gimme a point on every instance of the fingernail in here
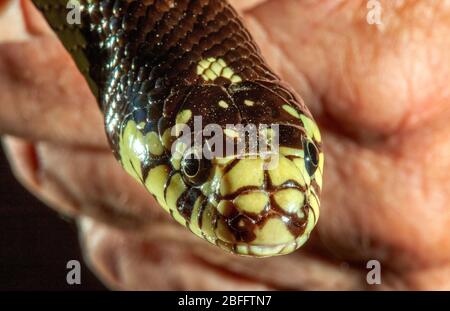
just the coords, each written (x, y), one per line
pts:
(12, 22)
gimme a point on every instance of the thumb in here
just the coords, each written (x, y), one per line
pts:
(42, 94)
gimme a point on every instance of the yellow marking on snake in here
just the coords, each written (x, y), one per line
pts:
(140, 126)
(193, 223)
(216, 68)
(175, 188)
(131, 149)
(183, 117)
(234, 180)
(314, 203)
(155, 183)
(290, 200)
(291, 110)
(154, 144)
(266, 250)
(300, 164)
(236, 79)
(211, 68)
(321, 162)
(208, 223)
(249, 103)
(177, 155)
(167, 139)
(305, 236)
(254, 202)
(285, 171)
(227, 73)
(274, 232)
(288, 248)
(223, 104)
(318, 178)
(311, 128)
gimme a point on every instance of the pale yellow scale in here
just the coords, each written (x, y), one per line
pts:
(212, 68)
(155, 183)
(253, 202)
(234, 180)
(274, 227)
(223, 104)
(249, 103)
(285, 171)
(290, 200)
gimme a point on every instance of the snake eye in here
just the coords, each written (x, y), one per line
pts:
(311, 157)
(195, 169)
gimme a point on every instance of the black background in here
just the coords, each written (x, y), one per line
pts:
(35, 242)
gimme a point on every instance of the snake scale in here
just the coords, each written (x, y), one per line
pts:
(156, 65)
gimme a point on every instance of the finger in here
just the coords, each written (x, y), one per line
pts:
(12, 25)
(43, 96)
(245, 5)
(372, 81)
(82, 182)
(168, 258)
(382, 99)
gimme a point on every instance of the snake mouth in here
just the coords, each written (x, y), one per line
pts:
(244, 249)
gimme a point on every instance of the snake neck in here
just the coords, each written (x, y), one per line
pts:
(130, 48)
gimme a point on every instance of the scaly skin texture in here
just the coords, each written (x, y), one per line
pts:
(155, 66)
(380, 95)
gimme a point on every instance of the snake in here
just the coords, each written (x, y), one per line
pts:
(156, 67)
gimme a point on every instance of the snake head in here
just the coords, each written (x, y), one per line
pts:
(255, 203)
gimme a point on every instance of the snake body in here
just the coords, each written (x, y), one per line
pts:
(155, 65)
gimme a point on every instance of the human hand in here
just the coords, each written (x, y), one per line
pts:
(379, 93)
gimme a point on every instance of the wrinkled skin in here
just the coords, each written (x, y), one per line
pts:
(383, 102)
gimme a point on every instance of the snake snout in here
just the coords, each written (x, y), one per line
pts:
(264, 211)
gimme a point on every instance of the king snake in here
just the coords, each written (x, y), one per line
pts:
(155, 66)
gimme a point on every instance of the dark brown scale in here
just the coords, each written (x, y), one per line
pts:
(187, 201)
(295, 224)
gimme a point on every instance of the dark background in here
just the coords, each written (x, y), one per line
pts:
(35, 242)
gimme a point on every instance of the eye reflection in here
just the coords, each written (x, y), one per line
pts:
(195, 169)
(191, 167)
